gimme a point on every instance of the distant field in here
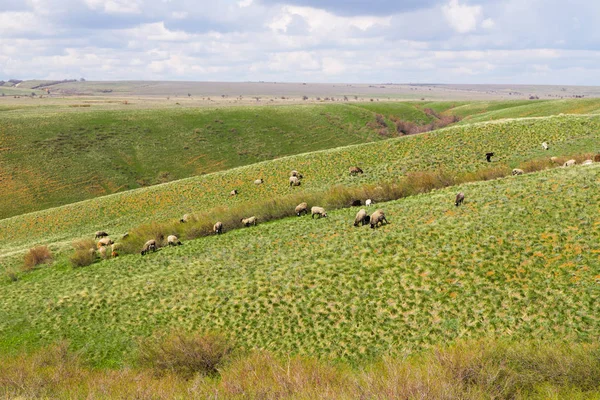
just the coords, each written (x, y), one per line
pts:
(457, 149)
(519, 259)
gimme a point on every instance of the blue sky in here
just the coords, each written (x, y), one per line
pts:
(447, 41)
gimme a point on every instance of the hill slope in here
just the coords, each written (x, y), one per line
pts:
(519, 259)
(52, 158)
(56, 154)
(458, 149)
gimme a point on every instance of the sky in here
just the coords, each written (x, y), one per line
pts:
(353, 41)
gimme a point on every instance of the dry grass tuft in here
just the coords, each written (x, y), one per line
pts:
(36, 256)
(185, 354)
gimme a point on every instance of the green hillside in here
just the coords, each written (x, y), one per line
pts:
(52, 158)
(60, 153)
(458, 150)
(519, 259)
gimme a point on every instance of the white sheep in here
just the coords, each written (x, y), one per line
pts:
(587, 162)
(378, 217)
(258, 181)
(545, 146)
(517, 171)
(104, 242)
(149, 245)
(301, 208)
(294, 181)
(369, 202)
(320, 211)
(570, 163)
(218, 228)
(361, 217)
(249, 221)
(173, 240)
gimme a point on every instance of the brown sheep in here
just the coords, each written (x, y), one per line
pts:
(320, 211)
(378, 217)
(295, 181)
(597, 158)
(100, 234)
(356, 203)
(149, 245)
(301, 208)
(355, 171)
(248, 221)
(218, 228)
(460, 197)
(104, 242)
(173, 240)
(361, 218)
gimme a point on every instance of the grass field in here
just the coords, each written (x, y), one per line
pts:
(56, 154)
(458, 150)
(519, 259)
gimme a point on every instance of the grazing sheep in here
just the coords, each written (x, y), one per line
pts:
(149, 245)
(296, 174)
(355, 171)
(218, 228)
(258, 181)
(320, 211)
(554, 159)
(587, 162)
(488, 156)
(545, 146)
(248, 221)
(460, 197)
(104, 242)
(369, 202)
(301, 208)
(173, 240)
(361, 217)
(185, 218)
(234, 192)
(570, 163)
(114, 247)
(100, 234)
(294, 181)
(597, 158)
(378, 217)
(114, 254)
(355, 203)
(125, 235)
(517, 171)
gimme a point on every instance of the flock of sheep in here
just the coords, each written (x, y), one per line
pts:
(362, 218)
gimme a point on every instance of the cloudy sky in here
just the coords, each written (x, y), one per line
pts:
(441, 41)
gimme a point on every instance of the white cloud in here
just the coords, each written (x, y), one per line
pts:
(488, 23)
(461, 17)
(116, 6)
(245, 3)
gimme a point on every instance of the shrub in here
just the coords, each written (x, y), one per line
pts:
(82, 258)
(36, 256)
(186, 354)
(11, 274)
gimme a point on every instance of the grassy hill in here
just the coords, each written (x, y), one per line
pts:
(51, 158)
(519, 259)
(457, 149)
(56, 154)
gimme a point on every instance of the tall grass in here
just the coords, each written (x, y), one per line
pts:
(483, 369)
